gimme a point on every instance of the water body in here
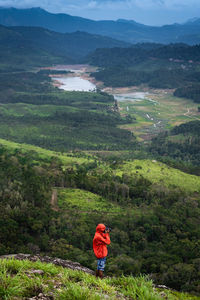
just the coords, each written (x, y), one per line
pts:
(133, 97)
(75, 84)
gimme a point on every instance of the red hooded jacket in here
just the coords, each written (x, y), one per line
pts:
(100, 241)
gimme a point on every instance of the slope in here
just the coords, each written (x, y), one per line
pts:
(128, 31)
(28, 279)
(34, 46)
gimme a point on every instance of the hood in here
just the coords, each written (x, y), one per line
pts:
(100, 228)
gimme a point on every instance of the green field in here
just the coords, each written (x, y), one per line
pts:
(84, 201)
(68, 159)
(167, 112)
(161, 174)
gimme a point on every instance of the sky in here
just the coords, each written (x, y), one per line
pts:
(150, 12)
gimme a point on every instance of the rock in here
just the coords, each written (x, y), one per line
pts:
(46, 259)
(38, 272)
(162, 287)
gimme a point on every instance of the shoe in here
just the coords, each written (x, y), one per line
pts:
(101, 274)
(97, 273)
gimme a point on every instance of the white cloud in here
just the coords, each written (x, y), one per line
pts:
(144, 11)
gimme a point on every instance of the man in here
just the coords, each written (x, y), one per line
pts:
(100, 242)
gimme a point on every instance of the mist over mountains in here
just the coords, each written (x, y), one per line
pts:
(125, 30)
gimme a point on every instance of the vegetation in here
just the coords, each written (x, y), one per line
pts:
(19, 281)
(58, 120)
(35, 46)
(51, 202)
(145, 216)
(84, 201)
(171, 66)
(157, 172)
(191, 92)
(181, 144)
(125, 30)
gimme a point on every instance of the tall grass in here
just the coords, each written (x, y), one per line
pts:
(17, 281)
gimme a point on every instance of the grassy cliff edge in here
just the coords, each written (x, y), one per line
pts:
(25, 279)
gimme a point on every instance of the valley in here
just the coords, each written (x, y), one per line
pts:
(152, 110)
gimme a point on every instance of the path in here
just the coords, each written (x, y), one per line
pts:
(54, 200)
(192, 117)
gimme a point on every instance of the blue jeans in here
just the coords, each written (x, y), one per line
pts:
(101, 262)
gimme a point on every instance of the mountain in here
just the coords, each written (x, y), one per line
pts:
(77, 44)
(41, 46)
(18, 53)
(194, 20)
(158, 66)
(126, 30)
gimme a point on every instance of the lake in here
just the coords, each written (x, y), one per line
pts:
(75, 84)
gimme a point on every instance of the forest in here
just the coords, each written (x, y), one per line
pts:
(179, 147)
(192, 92)
(174, 66)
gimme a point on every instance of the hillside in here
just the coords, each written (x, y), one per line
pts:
(181, 144)
(75, 45)
(36, 280)
(33, 111)
(162, 67)
(131, 32)
(58, 214)
(34, 46)
(16, 53)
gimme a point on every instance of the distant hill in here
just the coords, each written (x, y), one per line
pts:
(37, 46)
(126, 30)
(140, 52)
(18, 53)
(157, 66)
(77, 44)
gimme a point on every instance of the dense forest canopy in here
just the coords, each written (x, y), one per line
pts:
(171, 66)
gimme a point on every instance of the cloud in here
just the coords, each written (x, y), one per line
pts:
(92, 4)
(144, 11)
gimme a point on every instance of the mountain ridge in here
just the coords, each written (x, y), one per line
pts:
(125, 30)
(69, 46)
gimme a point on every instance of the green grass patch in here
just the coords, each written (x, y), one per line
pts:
(84, 201)
(159, 173)
(18, 282)
(44, 154)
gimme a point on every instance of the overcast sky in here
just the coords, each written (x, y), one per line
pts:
(151, 12)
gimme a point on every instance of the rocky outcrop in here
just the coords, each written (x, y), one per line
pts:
(46, 259)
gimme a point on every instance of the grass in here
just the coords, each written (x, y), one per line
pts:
(44, 154)
(159, 173)
(18, 282)
(84, 201)
(22, 109)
